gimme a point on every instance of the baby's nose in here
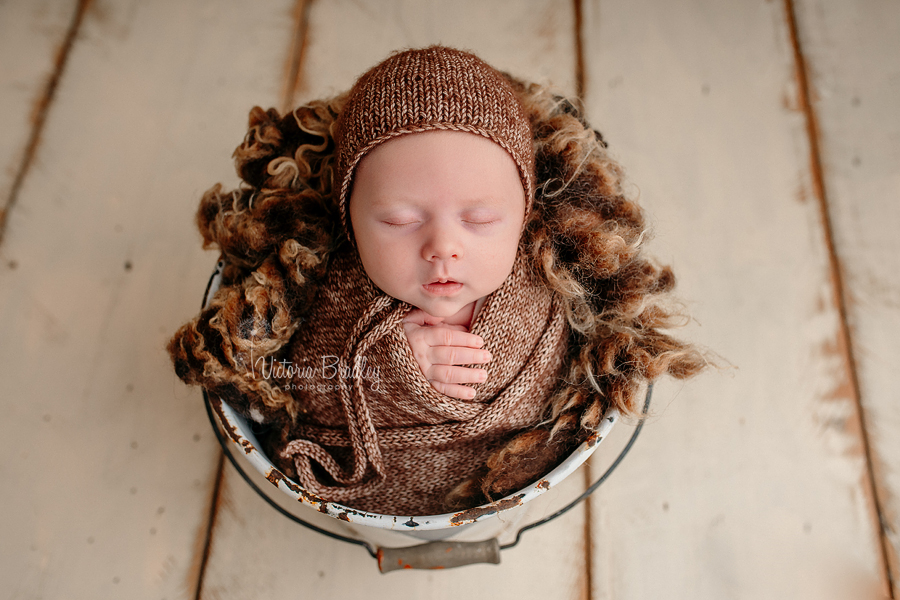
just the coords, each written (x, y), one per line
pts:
(441, 254)
(442, 246)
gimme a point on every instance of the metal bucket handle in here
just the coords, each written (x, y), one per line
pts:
(431, 555)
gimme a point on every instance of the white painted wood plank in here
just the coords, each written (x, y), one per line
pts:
(531, 39)
(31, 34)
(853, 54)
(748, 483)
(109, 461)
(257, 552)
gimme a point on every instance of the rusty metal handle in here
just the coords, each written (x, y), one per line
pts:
(439, 555)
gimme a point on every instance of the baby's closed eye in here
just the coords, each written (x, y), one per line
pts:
(481, 218)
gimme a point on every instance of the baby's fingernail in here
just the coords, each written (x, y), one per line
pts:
(470, 394)
(487, 355)
(480, 341)
(482, 376)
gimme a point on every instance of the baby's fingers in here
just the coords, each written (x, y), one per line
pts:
(454, 390)
(448, 374)
(458, 355)
(445, 336)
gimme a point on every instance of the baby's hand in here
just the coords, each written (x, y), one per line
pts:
(439, 348)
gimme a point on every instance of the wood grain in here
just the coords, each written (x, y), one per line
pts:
(750, 482)
(34, 42)
(109, 461)
(854, 80)
(534, 40)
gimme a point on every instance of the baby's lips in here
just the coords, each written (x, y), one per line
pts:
(443, 288)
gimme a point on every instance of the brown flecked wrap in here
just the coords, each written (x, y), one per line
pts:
(434, 88)
(377, 436)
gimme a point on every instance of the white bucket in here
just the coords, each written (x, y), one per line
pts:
(486, 522)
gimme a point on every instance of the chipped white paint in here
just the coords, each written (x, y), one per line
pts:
(750, 482)
(109, 461)
(533, 39)
(31, 33)
(854, 69)
(243, 443)
(747, 483)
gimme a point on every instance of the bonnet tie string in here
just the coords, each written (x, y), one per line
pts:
(360, 427)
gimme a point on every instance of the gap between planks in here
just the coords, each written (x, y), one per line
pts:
(580, 84)
(40, 110)
(588, 537)
(215, 502)
(580, 70)
(837, 279)
(294, 65)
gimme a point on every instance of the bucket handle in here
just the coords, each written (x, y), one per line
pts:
(438, 555)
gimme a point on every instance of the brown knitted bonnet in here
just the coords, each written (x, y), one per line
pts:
(434, 88)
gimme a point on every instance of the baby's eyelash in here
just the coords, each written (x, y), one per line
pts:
(475, 223)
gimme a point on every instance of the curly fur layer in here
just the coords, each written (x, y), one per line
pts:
(584, 235)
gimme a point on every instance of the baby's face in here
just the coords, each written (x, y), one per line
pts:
(437, 217)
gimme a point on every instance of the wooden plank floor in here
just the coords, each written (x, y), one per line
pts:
(754, 478)
(764, 140)
(35, 39)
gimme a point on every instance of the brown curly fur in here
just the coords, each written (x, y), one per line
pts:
(584, 235)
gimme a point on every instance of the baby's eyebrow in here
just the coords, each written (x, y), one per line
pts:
(481, 202)
(484, 201)
(389, 202)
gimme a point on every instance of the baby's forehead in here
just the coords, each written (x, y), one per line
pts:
(440, 144)
(425, 168)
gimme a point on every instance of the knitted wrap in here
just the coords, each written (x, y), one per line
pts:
(375, 435)
(431, 89)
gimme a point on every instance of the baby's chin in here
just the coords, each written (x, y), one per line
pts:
(443, 312)
(448, 312)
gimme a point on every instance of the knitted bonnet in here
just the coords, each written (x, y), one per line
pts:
(434, 88)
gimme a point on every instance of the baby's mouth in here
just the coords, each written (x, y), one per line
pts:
(442, 287)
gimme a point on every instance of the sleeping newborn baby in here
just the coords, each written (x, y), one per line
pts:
(436, 166)
(436, 217)
(418, 328)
